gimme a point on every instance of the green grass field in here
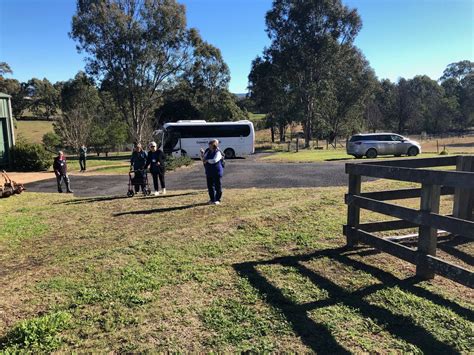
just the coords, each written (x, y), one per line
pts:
(254, 117)
(263, 272)
(115, 163)
(33, 131)
(119, 163)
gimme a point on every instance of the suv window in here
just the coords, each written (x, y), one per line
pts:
(396, 138)
(382, 137)
(357, 138)
(363, 138)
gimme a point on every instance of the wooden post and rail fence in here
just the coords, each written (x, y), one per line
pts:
(427, 219)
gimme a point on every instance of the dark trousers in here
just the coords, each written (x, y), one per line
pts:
(82, 163)
(138, 180)
(214, 187)
(60, 179)
(158, 175)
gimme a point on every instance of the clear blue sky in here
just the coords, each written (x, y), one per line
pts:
(400, 38)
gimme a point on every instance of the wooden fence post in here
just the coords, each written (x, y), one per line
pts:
(428, 236)
(463, 198)
(353, 212)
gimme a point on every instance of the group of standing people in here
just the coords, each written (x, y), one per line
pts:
(155, 160)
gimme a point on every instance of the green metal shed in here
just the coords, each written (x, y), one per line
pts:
(7, 135)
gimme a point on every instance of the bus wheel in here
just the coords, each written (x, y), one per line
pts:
(229, 153)
(183, 153)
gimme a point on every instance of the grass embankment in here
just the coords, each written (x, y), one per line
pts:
(430, 148)
(33, 131)
(314, 155)
(262, 272)
(114, 163)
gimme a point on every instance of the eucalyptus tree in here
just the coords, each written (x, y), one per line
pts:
(138, 46)
(466, 101)
(346, 94)
(5, 69)
(79, 105)
(458, 70)
(19, 95)
(306, 38)
(208, 77)
(268, 89)
(45, 98)
(458, 83)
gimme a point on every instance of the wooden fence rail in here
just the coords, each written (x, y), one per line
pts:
(428, 220)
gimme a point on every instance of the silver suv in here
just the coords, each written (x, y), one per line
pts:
(373, 144)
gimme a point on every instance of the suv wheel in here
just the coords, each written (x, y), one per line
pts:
(371, 153)
(413, 151)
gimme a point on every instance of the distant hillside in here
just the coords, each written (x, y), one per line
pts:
(33, 130)
(241, 96)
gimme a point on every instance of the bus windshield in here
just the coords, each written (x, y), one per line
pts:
(158, 137)
(170, 139)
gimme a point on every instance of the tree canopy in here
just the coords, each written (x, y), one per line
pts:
(141, 49)
(315, 64)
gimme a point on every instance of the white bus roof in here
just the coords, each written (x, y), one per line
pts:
(201, 122)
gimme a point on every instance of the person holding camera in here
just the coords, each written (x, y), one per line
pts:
(212, 159)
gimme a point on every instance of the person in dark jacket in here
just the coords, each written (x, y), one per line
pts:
(156, 162)
(82, 157)
(138, 163)
(212, 159)
(60, 170)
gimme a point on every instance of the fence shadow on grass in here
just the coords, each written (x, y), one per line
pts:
(449, 245)
(123, 197)
(317, 336)
(160, 210)
(80, 201)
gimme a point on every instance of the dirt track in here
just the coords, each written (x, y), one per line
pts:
(239, 173)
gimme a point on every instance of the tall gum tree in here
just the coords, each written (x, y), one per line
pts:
(138, 46)
(307, 36)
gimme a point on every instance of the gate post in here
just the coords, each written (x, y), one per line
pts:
(353, 212)
(464, 198)
(428, 236)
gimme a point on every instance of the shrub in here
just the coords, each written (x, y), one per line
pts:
(31, 157)
(37, 334)
(173, 163)
(51, 141)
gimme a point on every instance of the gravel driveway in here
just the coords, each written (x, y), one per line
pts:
(239, 173)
